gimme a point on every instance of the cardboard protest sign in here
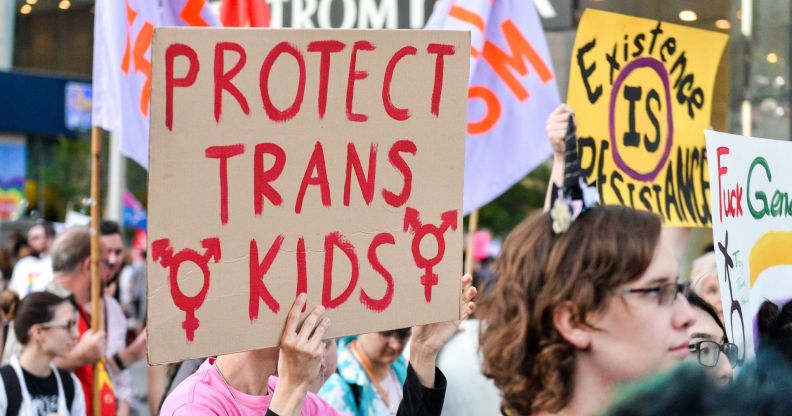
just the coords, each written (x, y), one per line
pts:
(642, 94)
(752, 228)
(289, 161)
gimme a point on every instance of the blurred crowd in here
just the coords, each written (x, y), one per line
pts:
(582, 312)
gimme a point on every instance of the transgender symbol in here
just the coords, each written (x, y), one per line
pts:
(162, 252)
(412, 223)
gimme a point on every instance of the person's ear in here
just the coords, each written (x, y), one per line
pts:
(568, 322)
(86, 265)
(35, 332)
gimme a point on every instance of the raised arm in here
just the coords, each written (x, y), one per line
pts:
(301, 351)
(556, 128)
(424, 389)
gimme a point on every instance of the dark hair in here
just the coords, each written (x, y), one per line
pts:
(35, 308)
(697, 301)
(49, 229)
(775, 328)
(9, 300)
(107, 227)
(70, 249)
(402, 333)
(20, 243)
(761, 389)
(538, 270)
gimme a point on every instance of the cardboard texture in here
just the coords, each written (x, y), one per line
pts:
(752, 231)
(642, 94)
(262, 183)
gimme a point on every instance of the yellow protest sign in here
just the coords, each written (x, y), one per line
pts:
(642, 94)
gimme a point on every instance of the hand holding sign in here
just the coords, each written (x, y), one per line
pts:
(427, 340)
(556, 127)
(643, 92)
(288, 162)
(301, 346)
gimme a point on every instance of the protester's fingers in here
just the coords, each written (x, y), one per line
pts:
(557, 130)
(560, 115)
(562, 108)
(309, 324)
(292, 318)
(470, 293)
(469, 309)
(318, 334)
(556, 136)
(558, 123)
(467, 280)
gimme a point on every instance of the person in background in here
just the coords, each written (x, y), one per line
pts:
(71, 263)
(244, 383)
(119, 355)
(34, 272)
(8, 304)
(238, 384)
(775, 330)
(132, 283)
(761, 389)
(469, 392)
(327, 367)
(6, 265)
(709, 345)
(371, 372)
(31, 385)
(20, 247)
(112, 253)
(704, 281)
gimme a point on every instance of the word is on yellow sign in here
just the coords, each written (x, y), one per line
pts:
(642, 94)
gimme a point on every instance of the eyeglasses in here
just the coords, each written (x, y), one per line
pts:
(69, 325)
(400, 335)
(709, 352)
(666, 294)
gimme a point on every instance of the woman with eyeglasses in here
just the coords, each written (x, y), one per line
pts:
(587, 298)
(371, 372)
(709, 345)
(573, 315)
(31, 385)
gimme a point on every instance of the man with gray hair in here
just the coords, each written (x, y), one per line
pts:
(71, 264)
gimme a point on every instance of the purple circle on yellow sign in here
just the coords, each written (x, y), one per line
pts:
(661, 72)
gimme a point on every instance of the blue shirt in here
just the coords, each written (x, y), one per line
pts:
(337, 391)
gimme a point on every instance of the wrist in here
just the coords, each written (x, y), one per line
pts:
(558, 162)
(423, 352)
(294, 385)
(288, 397)
(121, 360)
(423, 362)
(80, 354)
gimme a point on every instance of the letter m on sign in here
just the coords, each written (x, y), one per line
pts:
(505, 64)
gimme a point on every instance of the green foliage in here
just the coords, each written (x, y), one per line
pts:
(505, 212)
(137, 181)
(65, 166)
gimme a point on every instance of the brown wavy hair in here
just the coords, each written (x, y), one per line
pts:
(529, 360)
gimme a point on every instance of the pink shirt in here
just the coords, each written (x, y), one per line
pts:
(205, 393)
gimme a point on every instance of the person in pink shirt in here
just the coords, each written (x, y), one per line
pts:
(244, 383)
(236, 384)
